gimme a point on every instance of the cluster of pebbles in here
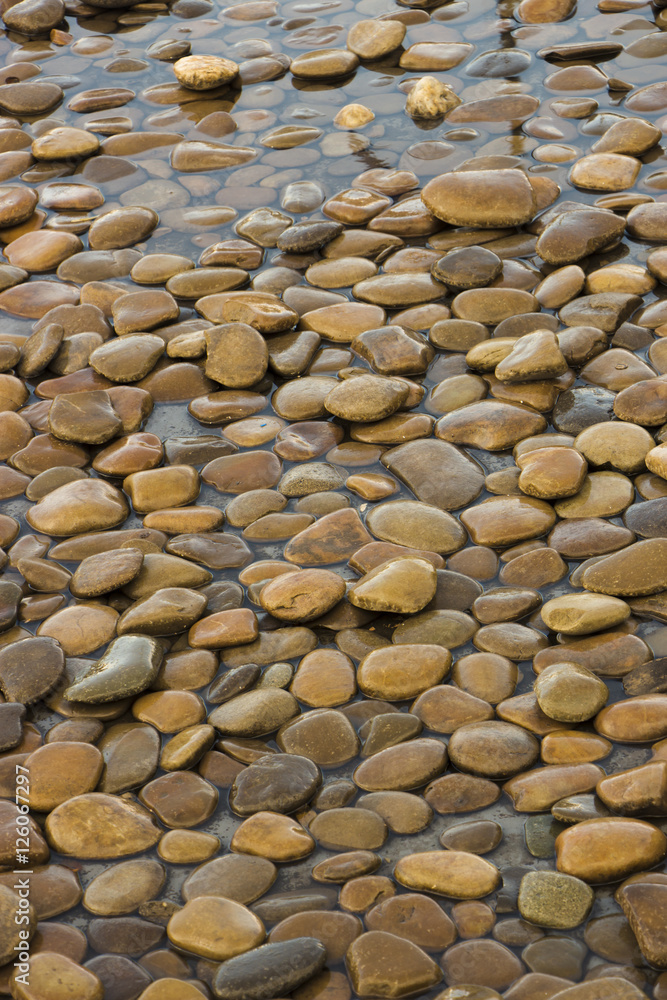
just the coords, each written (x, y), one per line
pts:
(333, 468)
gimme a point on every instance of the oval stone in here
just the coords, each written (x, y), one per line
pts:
(609, 849)
(96, 826)
(456, 874)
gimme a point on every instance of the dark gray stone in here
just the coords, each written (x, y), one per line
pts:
(273, 970)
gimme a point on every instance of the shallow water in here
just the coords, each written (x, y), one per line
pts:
(96, 49)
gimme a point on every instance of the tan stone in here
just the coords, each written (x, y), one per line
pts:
(634, 571)
(609, 849)
(456, 874)
(52, 977)
(224, 628)
(550, 899)
(123, 887)
(605, 172)
(552, 473)
(303, 595)
(643, 903)
(399, 673)
(408, 522)
(430, 98)
(373, 39)
(402, 767)
(569, 692)
(635, 720)
(79, 506)
(462, 198)
(215, 928)
(636, 791)
(573, 747)
(384, 965)
(581, 613)
(538, 790)
(504, 521)
(323, 736)
(535, 356)
(490, 424)
(492, 749)
(272, 836)
(204, 72)
(60, 771)
(175, 486)
(100, 826)
(353, 116)
(401, 585)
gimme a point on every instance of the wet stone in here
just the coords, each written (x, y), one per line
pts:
(10, 595)
(254, 713)
(29, 672)
(130, 752)
(100, 826)
(204, 72)
(121, 227)
(11, 725)
(237, 355)
(180, 799)
(501, 965)
(371, 39)
(430, 98)
(491, 425)
(165, 612)
(128, 667)
(637, 719)
(324, 64)
(540, 833)
(403, 767)
(274, 968)
(276, 784)
(643, 904)
(336, 931)
(471, 267)
(47, 967)
(302, 595)
(122, 888)
(585, 849)
(460, 198)
(197, 928)
(120, 976)
(272, 836)
(62, 770)
(83, 505)
(381, 964)
(550, 899)
(86, 417)
(629, 572)
(384, 731)
(580, 614)
(401, 811)
(455, 874)
(568, 692)
(127, 361)
(124, 935)
(240, 877)
(449, 490)
(492, 749)
(475, 836)
(343, 829)
(505, 521)
(325, 736)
